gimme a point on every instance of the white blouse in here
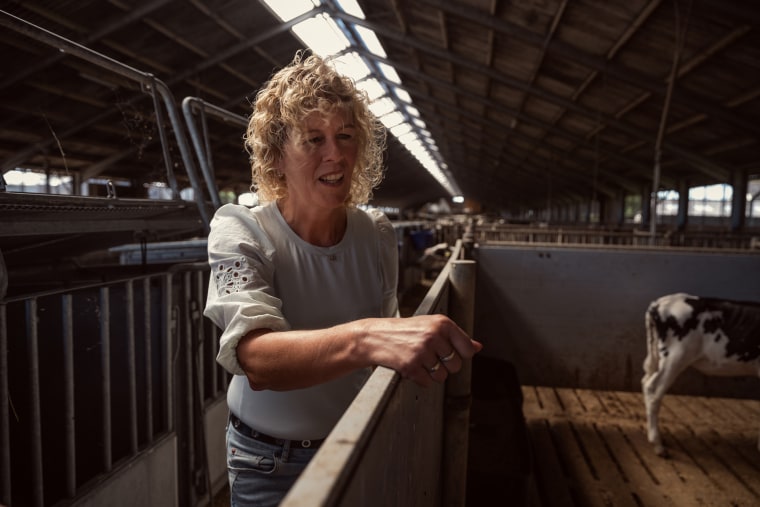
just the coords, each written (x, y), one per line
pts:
(263, 275)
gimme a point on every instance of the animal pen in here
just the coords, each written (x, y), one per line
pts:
(553, 416)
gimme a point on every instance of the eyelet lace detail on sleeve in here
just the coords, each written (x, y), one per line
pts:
(231, 277)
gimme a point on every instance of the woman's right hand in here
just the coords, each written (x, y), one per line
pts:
(424, 349)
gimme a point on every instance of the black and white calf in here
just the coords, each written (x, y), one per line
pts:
(715, 336)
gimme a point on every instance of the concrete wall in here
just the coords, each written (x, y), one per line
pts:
(150, 479)
(574, 317)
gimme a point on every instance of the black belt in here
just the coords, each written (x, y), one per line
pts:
(246, 430)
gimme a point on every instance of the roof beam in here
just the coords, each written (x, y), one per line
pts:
(131, 17)
(701, 163)
(643, 15)
(616, 70)
(491, 105)
(82, 123)
(453, 135)
(499, 127)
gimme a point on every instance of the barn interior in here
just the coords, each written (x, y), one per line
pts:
(557, 111)
(537, 122)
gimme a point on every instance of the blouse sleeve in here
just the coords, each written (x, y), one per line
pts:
(388, 257)
(240, 293)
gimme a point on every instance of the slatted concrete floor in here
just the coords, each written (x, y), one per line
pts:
(591, 450)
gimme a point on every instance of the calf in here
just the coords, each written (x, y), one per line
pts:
(715, 336)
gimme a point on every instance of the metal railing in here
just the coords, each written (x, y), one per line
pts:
(422, 431)
(199, 136)
(92, 378)
(149, 84)
(495, 233)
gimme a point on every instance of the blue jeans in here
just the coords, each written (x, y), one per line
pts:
(261, 474)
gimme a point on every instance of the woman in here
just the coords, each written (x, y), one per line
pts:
(304, 286)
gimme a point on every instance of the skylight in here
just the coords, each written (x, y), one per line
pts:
(327, 36)
(290, 9)
(322, 35)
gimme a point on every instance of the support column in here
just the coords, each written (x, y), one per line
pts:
(603, 209)
(646, 216)
(739, 182)
(682, 219)
(619, 208)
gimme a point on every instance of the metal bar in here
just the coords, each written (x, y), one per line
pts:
(189, 106)
(201, 341)
(222, 377)
(216, 372)
(147, 337)
(209, 161)
(105, 364)
(207, 145)
(202, 153)
(179, 134)
(660, 139)
(148, 82)
(186, 337)
(130, 17)
(64, 45)
(164, 142)
(5, 442)
(201, 374)
(68, 380)
(35, 416)
(131, 368)
(169, 346)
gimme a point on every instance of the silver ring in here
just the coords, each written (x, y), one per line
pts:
(449, 357)
(435, 367)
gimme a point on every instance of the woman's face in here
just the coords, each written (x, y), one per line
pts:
(319, 164)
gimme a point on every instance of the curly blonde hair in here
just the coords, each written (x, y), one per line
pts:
(309, 84)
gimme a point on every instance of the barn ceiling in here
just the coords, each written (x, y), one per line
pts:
(529, 102)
